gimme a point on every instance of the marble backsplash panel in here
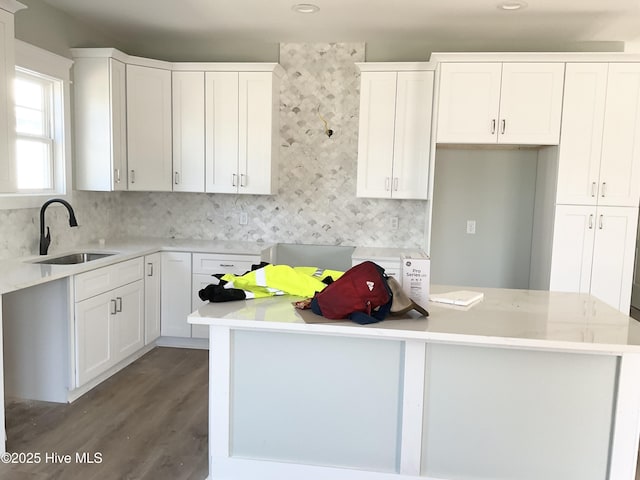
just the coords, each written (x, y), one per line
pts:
(316, 200)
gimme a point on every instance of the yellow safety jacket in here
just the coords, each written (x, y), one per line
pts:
(280, 280)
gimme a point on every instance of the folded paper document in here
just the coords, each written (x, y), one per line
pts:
(462, 298)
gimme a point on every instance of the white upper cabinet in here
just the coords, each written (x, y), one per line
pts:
(581, 139)
(599, 161)
(221, 132)
(395, 134)
(100, 123)
(149, 128)
(188, 131)
(509, 103)
(241, 121)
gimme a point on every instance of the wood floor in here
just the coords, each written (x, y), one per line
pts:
(149, 421)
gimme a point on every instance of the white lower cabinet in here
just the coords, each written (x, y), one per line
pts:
(128, 322)
(198, 282)
(593, 252)
(207, 264)
(182, 279)
(109, 325)
(151, 297)
(175, 303)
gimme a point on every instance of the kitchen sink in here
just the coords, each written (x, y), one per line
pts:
(74, 258)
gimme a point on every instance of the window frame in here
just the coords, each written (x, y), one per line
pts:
(56, 68)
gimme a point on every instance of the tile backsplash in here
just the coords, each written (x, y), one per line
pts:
(316, 200)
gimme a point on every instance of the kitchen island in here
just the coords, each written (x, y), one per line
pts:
(523, 385)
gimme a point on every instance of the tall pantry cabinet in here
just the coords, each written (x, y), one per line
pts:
(598, 182)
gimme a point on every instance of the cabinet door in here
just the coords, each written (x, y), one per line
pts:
(7, 113)
(149, 128)
(188, 131)
(118, 145)
(613, 256)
(221, 131)
(573, 238)
(175, 296)
(581, 140)
(531, 103)
(256, 132)
(199, 281)
(468, 102)
(376, 134)
(620, 161)
(94, 336)
(412, 142)
(128, 323)
(152, 298)
(207, 264)
(100, 124)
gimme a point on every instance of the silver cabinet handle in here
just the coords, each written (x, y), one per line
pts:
(593, 189)
(395, 184)
(133, 176)
(233, 180)
(118, 304)
(387, 183)
(591, 222)
(176, 178)
(113, 307)
(493, 126)
(149, 269)
(604, 189)
(226, 265)
(243, 180)
(504, 126)
(117, 172)
(600, 222)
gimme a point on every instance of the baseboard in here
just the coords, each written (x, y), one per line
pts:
(180, 342)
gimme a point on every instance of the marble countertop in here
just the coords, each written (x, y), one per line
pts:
(19, 273)
(508, 318)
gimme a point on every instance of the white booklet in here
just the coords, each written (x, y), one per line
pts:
(461, 298)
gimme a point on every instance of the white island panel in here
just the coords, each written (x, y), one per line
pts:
(316, 399)
(508, 414)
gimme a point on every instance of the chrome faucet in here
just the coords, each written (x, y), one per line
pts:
(45, 240)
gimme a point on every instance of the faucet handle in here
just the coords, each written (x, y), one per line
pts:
(45, 241)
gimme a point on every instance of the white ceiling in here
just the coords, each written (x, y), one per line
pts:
(435, 21)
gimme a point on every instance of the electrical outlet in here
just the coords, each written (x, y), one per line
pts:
(393, 223)
(471, 227)
(244, 219)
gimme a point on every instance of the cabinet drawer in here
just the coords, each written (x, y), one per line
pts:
(101, 280)
(211, 263)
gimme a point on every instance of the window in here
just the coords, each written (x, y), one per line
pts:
(41, 95)
(34, 131)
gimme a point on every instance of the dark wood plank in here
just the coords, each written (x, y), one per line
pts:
(148, 421)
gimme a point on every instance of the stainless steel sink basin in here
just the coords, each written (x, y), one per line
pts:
(74, 258)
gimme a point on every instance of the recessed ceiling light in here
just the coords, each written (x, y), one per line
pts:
(305, 8)
(513, 5)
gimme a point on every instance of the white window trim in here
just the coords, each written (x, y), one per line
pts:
(42, 61)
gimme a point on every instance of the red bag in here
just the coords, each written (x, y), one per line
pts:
(362, 288)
